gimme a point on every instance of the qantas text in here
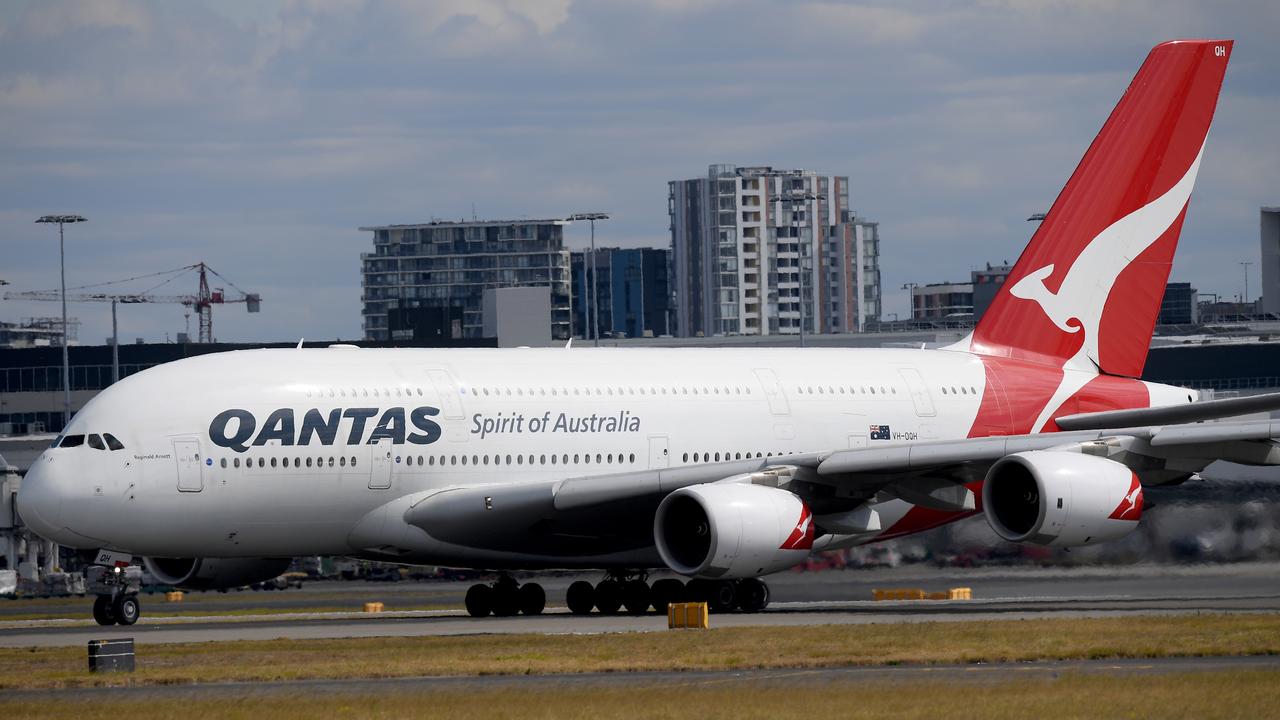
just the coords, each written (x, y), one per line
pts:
(239, 429)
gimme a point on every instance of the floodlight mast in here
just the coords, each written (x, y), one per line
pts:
(62, 268)
(593, 306)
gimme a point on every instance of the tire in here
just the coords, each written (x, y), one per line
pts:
(753, 595)
(126, 609)
(608, 597)
(665, 592)
(479, 601)
(532, 599)
(635, 597)
(506, 598)
(102, 610)
(698, 590)
(723, 596)
(581, 598)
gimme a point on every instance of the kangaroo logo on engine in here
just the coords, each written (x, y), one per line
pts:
(239, 429)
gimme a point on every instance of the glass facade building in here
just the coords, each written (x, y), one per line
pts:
(632, 289)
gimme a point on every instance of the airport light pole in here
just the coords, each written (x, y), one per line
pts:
(910, 287)
(593, 305)
(1245, 297)
(62, 267)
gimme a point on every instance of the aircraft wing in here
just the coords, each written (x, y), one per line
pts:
(614, 512)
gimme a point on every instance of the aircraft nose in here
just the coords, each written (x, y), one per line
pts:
(40, 498)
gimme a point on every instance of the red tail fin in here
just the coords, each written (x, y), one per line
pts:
(1087, 289)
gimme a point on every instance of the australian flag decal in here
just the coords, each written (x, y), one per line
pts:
(880, 432)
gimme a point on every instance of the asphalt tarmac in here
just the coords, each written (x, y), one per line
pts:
(831, 597)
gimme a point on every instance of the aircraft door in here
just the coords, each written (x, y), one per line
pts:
(919, 392)
(447, 389)
(773, 391)
(658, 456)
(380, 464)
(190, 472)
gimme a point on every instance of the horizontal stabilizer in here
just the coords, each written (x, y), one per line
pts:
(1171, 414)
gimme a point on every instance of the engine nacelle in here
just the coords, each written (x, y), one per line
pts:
(214, 573)
(1061, 499)
(732, 530)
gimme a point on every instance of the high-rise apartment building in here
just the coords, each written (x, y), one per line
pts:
(758, 251)
(427, 281)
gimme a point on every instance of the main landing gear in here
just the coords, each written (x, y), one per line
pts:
(505, 597)
(117, 594)
(630, 591)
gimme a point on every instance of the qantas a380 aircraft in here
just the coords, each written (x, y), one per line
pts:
(722, 465)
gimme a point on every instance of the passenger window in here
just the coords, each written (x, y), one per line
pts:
(95, 442)
(342, 461)
(308, 462)
(330, 461)
(112, 442)
(235, 462)
(273, 462)
(353, 461)
(223, 462)
(72, 441)
(262, 463)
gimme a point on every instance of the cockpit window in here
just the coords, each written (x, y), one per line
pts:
(95, 442)
(72, 441)
(112, 442)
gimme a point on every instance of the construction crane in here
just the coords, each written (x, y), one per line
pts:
(202, 301)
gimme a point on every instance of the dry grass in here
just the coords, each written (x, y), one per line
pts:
(722, 649)
(1185, 695)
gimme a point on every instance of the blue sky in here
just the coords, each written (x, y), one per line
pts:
(258, 136)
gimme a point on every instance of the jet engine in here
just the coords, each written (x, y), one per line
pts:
(1061, 499)
(214, 573)
(732, 530)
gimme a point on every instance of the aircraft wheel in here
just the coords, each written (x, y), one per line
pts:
(532, 599)
(665, 592)
(722, 596)
(102, 610)
(506, 598)
(635, 597)
(698, 590)
(608, 597)
(479, 601)
(580, 598)
(126, 609)
(753, 595)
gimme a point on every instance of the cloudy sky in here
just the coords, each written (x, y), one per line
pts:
(257, 136)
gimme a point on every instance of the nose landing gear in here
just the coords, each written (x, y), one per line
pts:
(117, 594)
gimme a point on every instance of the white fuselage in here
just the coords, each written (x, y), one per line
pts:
(283, 452)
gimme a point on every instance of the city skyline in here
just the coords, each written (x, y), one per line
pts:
(258, 136)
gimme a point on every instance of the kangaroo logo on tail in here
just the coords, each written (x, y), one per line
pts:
(1083, 294)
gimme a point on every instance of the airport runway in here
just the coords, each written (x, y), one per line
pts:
(784, 679)
(832, 597)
